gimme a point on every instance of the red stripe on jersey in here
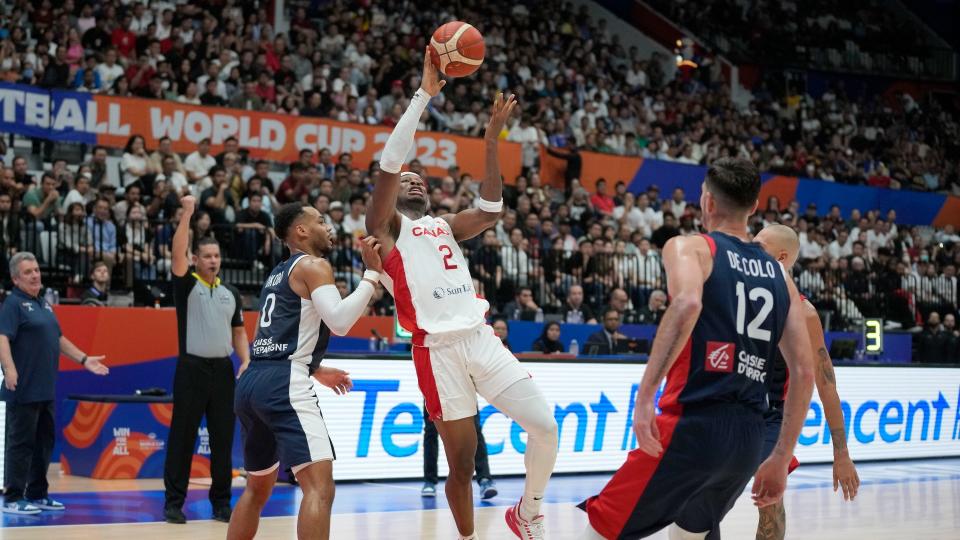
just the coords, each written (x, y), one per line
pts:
(427, 382)
(676, 381)
(610, 510)
(711, 243)
(406, 313)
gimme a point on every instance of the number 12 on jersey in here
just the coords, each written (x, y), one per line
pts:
(753, 329)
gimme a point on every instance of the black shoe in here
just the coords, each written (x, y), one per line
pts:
(222, 513)
(174, 515)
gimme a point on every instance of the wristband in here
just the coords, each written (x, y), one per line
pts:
(371, 275)
(83, 360)
(490, 206)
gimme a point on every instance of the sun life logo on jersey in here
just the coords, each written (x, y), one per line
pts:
(441, 292)
(719, 356)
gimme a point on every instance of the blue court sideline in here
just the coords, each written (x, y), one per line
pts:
(91, 508)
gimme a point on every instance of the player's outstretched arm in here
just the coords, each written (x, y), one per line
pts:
(316, 282)
(844, 472)
(771, 478)
(181, 238)
(382, 213)
(687, 261)
(468, 223)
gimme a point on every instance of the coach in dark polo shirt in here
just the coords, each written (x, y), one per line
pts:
(209, 328)
(30, 348)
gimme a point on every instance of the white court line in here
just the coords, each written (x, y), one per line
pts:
(267, 518)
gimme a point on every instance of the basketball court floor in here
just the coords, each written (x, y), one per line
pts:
(907, 500)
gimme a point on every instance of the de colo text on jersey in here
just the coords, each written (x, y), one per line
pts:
(751, 267)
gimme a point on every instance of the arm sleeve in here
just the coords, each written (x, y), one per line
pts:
(340, 314)
(401, 139)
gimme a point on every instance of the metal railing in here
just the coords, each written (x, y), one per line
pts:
(138, 256)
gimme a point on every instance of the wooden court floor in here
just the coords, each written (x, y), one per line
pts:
(898, 501)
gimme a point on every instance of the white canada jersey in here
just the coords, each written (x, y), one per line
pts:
(430, 280)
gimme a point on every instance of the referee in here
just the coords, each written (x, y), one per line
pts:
(209, 327)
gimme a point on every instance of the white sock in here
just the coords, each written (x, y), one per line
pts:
(471, 537)
(524, 403)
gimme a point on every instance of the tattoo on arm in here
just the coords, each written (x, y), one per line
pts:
(826, 367)
(839, 438)
(773, 522)
(779, 449)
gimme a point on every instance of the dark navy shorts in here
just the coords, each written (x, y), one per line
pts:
(710, 453)
(280, 417)
(773, 419)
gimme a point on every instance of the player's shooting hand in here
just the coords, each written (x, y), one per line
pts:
(499, 114)
(370, 253)
(335, 379)
(431, 83)
(769, 482)
(845, 476)
(645, 427)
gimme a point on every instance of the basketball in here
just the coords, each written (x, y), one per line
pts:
(457, 49)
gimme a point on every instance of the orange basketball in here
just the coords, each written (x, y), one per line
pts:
(457, 49)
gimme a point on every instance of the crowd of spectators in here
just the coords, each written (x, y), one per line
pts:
(579, 86)
(812, 33)
(566, 254)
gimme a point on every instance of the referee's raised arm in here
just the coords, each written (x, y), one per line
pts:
(181, 238)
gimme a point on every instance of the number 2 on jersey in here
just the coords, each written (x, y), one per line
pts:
(448, 254)
(753, 329)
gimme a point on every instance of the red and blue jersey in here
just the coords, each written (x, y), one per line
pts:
(728, 358)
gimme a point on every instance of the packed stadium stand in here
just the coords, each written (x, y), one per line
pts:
(583, 90)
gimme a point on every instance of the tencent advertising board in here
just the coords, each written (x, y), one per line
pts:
(891, 412)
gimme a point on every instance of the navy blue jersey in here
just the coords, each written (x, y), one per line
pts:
(289, 327)
(729, 355)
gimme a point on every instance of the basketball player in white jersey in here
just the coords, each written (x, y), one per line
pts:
(275, 401)
(455, 352)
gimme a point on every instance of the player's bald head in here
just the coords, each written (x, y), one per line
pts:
(781, 242)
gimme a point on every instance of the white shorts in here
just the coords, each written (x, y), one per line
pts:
(453, 367)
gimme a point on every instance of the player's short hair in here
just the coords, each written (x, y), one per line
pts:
(735, 181)
(286, 217)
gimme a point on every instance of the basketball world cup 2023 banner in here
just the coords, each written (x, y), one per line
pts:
(108, 120)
